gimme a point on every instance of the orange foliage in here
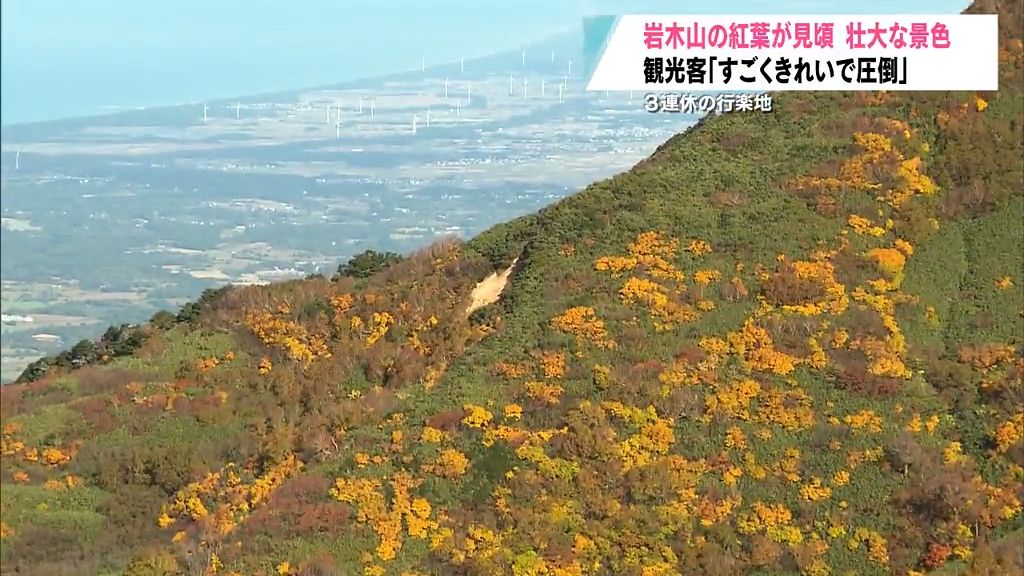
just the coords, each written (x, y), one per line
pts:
(1009, 433)
(879, 167)
(553, 364)
(753, 345)
(985, 357)
(292, 337)
(583, 323)
(512, 370)
(698, 247)
(387, 522)
(265, 365)
(231, 499)
(544, 392)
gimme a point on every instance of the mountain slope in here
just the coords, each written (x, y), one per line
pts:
(785, 343)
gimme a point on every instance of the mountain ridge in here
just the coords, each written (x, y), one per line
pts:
(785, 343)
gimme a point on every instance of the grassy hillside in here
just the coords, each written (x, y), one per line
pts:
(787, 343)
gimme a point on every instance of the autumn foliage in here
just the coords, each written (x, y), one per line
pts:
(785, 343)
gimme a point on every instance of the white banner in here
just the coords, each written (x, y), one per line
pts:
(799, 52)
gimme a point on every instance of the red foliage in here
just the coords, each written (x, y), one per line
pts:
(182, 405)
(852, 269)
(96, 411)
(101, 380)
(851, 373)
(690, 354)
(448, 420)
(936, 556)
(299, 507)
(10, 399)
(790, 333)
(786, 288)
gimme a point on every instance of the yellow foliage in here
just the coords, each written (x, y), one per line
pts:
(698, 247)
(862, 226)
(582, 322)
(817, 358)
(877, 158)
(341, 305)
(553, 364)
(712, 512)
(476, 416)
(205, 364)
(544, 392)
(513, 412)
(287, 334)
(731, 475)
(705, 277)
(261, 488)
(432, 435)
(55, 456)
(815, 490)
(1009, 433)
(903, 246)
(362, 491)
(510, 370)
(790, 408)
(913, 181)
(788, 468)
(195, 509)
(653, 245)
(878, 551)
(953, 453)
(602, 376)
(451, 463)
(655, 297)
(714, 346)
(54, 485)
(617, 265)
(705, 305)
(753, 345)
(864, 420)
(733, 400)
(914, 425)
(763, 517)
(265, 365)
(653, 438)
(890, 260)
(1004, 283)
(985, 357)
(380, 323)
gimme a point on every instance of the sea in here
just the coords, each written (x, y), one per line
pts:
(61, 59)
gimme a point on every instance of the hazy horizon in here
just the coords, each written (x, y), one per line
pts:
(61, 60)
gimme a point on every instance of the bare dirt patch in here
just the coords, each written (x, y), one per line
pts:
(488, 290)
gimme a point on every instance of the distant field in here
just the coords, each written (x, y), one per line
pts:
(110, 219)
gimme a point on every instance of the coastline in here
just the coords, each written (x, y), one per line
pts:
(542, 39)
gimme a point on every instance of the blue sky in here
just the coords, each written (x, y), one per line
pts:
(65, 58)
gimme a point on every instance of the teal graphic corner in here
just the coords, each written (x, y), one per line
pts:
(597, 31)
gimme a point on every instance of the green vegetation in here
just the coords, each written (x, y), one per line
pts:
(367, 263)
(784, 344)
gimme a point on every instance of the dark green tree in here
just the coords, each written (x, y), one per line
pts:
(368, 263)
